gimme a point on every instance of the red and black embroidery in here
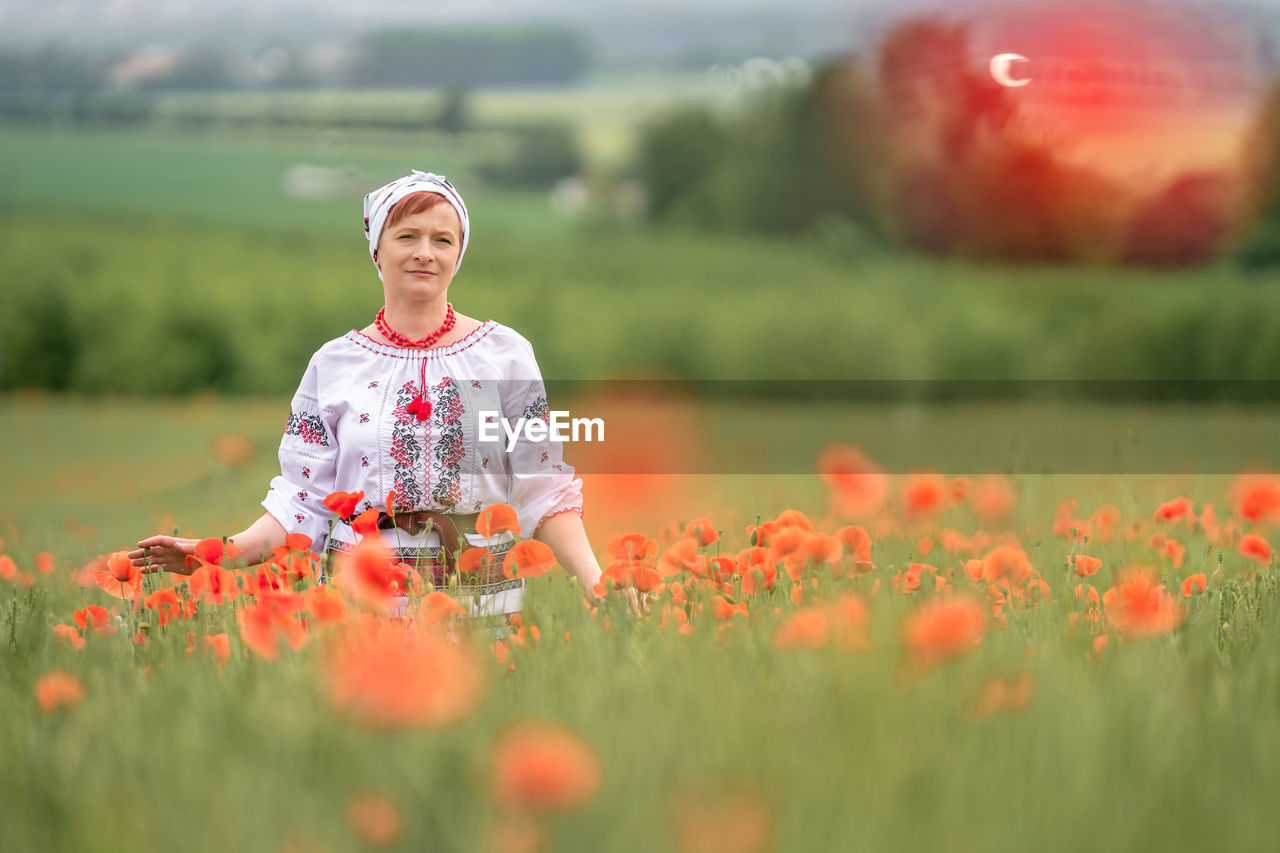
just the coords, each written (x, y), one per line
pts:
(364, 461)
(446, 466)
(373, 384)
(306, 472)
(537, 409)
(406, 450)
(364, 417)
(299, 517)
(302, 495)
(309, 427)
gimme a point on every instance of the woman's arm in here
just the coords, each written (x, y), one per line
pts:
(169, 554)
(567, 538)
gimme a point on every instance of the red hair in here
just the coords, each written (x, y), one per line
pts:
(414, 203)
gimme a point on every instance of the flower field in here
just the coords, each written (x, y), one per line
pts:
(877, 660)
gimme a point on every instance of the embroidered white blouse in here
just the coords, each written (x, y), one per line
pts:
(350, 429)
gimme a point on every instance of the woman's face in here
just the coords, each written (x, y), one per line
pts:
(417, 257)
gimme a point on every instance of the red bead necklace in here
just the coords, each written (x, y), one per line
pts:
(403, 340)
(420, 406)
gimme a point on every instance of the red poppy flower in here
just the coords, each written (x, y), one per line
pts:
(632, 546)
(121, 577)
(374, 819)
(542, 768)
(368, 573)
(737, 821)
(683, 556)
(213, 584)
(96, 619)
(924, 495)
(758, 569)
(942, 629)
(498, 518)
(366, 523)
(1085, 565)
(528, 558)
(858, 541)
(439, 607)
(218, 645)
(474, 559)
(1007, 563)
(44, 563)
(326, 604)
(57, 689)
(1140, 607)
(1256, 497)
(68, 635)
(1256, 548)
(166, 604)
(722, 609)
(636, 574)
(856, 486)
(343, 504)
(384, 676)
(272, 623)
(1174, 510)
(1194, 585)
(702, 531)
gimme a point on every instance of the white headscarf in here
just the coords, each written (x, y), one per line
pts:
(378, 204)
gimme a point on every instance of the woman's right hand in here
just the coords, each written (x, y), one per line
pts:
(163, 554)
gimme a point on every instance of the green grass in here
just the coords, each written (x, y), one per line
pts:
(1164, 742)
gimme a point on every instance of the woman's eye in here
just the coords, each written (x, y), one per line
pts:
(406, 236)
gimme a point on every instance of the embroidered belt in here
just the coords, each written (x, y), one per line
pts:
(451, 529)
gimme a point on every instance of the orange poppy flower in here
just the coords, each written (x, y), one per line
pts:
(166, 604)
(1006, 563)
(272, 623)
(498, 518)
(1194, 585)
(391, 503)
(1002, 694)
(820, 548)
(1254, 547)
(368, 574)
(632, 574)
(439, 607)
(387, 677)
(366, 523)
(993, 498)
(858, 541)
(1256, 497)
(57, 689)
(1140, 607)
(1175, 550)
(8, 568)
(792, 518)
(632, 546)
(121, 578)
(343, 504)
(213, 584)
(924, 495)
(212, 552)
(96, 619)
(942, 629)
(44, 563)
(737, 821)
(806, 628)
(758, 570)
(722, 609)
(374, 819)
(543, 768)
(68, 635)
(1085, 565)
(1174, 510)
(218, 645)
(701, 531)
(474, 560)
(856, 486)
(326, 604)
(683, 556)
(528, 558)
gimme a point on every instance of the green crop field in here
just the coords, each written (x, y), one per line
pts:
(773, 728)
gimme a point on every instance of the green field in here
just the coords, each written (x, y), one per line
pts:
(1163, 741)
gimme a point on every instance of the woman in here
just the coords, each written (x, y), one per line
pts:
(397, 407)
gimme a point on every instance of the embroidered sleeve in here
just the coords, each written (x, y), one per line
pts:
(308, 465)
(541, 483)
